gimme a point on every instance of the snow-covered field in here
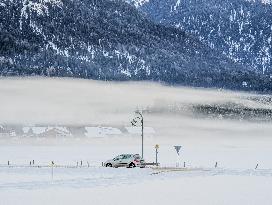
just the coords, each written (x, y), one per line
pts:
(134, 186)
(236, 143)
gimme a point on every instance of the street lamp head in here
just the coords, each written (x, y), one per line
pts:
(139, 113)
(134, 122)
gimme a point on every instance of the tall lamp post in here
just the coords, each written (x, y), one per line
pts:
(134, 123)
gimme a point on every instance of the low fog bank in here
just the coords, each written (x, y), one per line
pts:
(67, 101)
(171, 111)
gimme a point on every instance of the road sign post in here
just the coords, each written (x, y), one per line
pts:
(177, 148)
(157, 147)
(52, 171)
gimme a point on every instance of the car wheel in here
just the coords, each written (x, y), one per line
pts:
(131, 165)
(109, 165)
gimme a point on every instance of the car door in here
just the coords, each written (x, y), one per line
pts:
(119, 161)
(116, 161)
(123, 160)
(126, 160)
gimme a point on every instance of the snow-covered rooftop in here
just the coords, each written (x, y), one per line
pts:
(42, 129)
(36, 130)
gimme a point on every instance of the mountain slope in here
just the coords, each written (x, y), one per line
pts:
(240, 29)
(108, 40)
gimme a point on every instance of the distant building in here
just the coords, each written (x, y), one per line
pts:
(47, 131)
(102, 132)
(3, 131)
(58, 132)
(6, 131)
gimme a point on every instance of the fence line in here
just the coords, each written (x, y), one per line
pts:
(81, 164)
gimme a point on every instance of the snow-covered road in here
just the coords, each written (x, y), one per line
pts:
(34, 178)
(99, 185)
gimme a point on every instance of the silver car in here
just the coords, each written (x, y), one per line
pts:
(126, 160)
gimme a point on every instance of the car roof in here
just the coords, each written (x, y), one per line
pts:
(130, 155)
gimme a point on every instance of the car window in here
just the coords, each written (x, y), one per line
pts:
(127, 156)
(123, 156)
(118, 157)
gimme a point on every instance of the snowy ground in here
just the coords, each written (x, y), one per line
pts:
(237, 145)
(134, 186)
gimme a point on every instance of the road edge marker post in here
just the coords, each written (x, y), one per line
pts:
(52, 170)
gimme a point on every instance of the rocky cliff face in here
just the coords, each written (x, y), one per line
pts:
(109, 40)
